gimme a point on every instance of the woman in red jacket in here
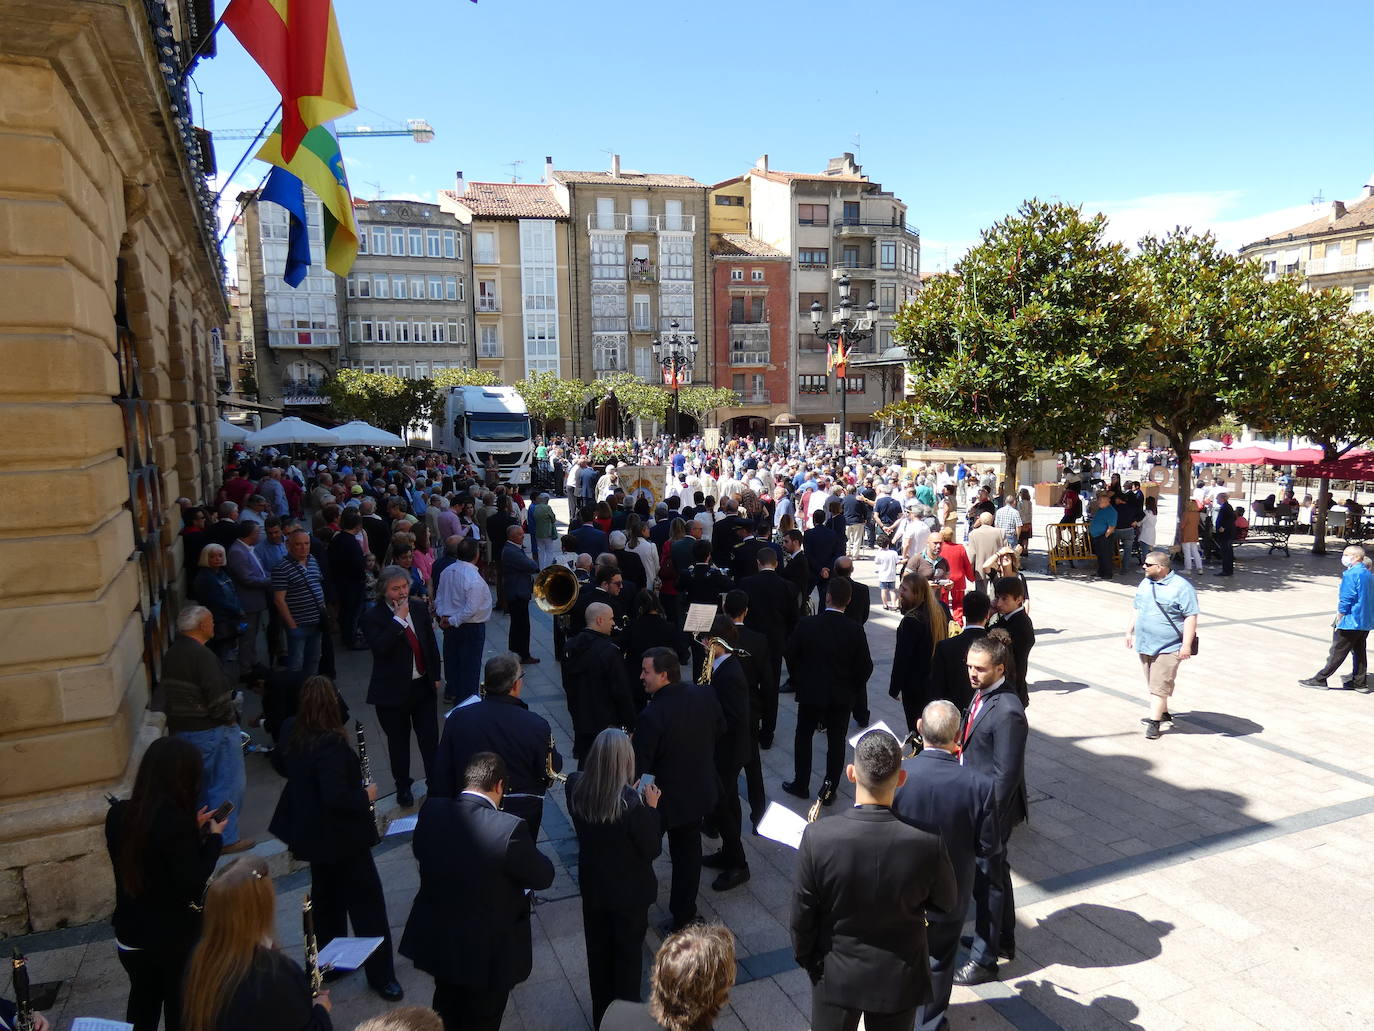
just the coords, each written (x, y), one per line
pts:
(960, 571)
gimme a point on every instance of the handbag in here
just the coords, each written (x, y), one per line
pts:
(1154, 593)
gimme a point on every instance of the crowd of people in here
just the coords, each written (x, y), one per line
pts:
(408, 555)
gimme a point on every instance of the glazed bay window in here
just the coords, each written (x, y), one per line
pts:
(887, 254)
(608, 256)
(814, 257)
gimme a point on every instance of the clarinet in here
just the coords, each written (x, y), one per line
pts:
(367, 767)
(312, 952)
(22, 998)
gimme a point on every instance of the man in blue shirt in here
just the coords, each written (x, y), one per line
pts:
(1102, 533)
(1354, 620)
(1162, 631)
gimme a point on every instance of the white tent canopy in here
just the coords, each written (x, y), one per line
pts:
(229, 433)
(291, 431)
(359, 433)
(1206, 444)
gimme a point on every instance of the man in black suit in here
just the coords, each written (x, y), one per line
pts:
(469, 927)
(773, 611)
(517, 578)
(863, 939)
(994, 742)
(823, 546)
(607, 583)
(1010, 603)
(405, 676)
(1224, 533)
(503, 724)
(959, 804)
(594, 672)
(829, 662)
(796, 569)
(702, 583)
(378, 530)
(857, 610)
(675, 740)
(755, 658)
(733, 748)
(949, 665)
(744, 559)
(347, 570)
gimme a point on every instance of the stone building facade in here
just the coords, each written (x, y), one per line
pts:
(110, 283)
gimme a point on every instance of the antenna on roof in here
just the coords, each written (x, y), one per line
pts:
(858, 150)
(514, 167)
(377, 188)
(1318, 200)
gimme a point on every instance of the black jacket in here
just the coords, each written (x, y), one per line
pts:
(773, 607)
(732, 692)
(959, 804)
(392, 658)
(744, 557)
(997, 747)
(176, 863)
(378, 535)
(643, 633)
(504, 725)
(822, 546)
(470, 924)
(675, 740)
(949, 668)
(598, 692)
(347, 568)
(911, 660)
(828, 660)
(797, 571)
(615, 861)
(757, 665)
(859, 601)
(703, 584)
(323, 813)
(1018, 625)
(632, 571)
(273, 996)
(861, 936)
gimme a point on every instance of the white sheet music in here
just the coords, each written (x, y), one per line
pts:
(471, 699)
(878, 725)
(99, 1024)
(700, 618)
(783, 825)
(347, 953)
(402, 824)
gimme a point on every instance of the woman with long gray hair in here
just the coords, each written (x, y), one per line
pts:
(618, 838)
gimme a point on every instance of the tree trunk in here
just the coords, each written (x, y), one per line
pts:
(1179, 442)
(1319, 510)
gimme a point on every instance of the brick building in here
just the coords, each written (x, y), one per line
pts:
(751, 329)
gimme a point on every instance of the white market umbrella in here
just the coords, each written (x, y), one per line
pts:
(1206, 444)
(229, 433)
(362, 434)
(291, 430)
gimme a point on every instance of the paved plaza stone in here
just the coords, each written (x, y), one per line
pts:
(1215, 878)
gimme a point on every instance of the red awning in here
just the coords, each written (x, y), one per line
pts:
(1358, 465)
(1258, 455)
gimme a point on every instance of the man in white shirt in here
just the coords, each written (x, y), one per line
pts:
(463, 603)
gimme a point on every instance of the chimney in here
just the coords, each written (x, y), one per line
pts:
(761, 164)
(1337, 211)
(1368, 190)
(459, 187)
(548, 169)
(615, 166)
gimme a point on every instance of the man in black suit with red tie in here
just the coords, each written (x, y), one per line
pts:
(405, 675)
(993, 739)
(960, 805)
(829, 663)
(470, 925)
(861, 938)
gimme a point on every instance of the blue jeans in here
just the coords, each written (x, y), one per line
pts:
(222, 757)
(303, 648)
(1125, 537)
(463, 659)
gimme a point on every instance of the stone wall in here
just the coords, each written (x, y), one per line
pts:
(102, 427)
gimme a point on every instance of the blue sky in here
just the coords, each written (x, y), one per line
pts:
(1219, 115)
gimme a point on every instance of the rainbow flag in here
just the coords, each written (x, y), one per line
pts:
(296, 42)
(319, 165)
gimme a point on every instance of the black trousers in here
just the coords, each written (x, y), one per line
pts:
(349, 891)
(753, 777)
(1227, 551)
(469, 1007)
(1343, 643)
(828, 1017)
(768, 712)
(1104, 548)
(684, 849)
(727, 818)
(350, 610)
(942, 939)
(417, 711)
(154, 987)
(809, 717)
(615, 948)
(518, 639)
(994, 920)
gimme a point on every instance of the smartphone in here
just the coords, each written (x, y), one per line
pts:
(645, 781)
(222, 813)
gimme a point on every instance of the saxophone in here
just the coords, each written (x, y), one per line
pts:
(552, 776)
(312, 952)
(23, 1000)
(716, 647)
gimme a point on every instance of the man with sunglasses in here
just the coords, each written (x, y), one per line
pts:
(1163, 631)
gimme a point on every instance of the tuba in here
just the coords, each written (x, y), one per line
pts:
(555, 590)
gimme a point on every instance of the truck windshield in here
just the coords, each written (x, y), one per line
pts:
(503, 428)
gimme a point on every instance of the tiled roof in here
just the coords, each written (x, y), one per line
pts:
(1360, 213)
(791, 177)
(740, 245)
(508, 200)
(628, 179)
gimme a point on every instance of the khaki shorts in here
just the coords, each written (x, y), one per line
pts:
(1160, 671)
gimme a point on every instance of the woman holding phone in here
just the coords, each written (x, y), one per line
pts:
(618, 838)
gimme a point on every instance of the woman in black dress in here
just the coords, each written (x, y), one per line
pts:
(325, 818)
(163, 852)
(236, 978)
(618, 838)
(924, 625)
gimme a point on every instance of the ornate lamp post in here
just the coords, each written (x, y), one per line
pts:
(845, 333)
(676, 357)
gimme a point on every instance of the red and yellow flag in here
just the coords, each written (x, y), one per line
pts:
(837, 358)
(297, 44)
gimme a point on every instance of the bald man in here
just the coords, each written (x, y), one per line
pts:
(595, 680)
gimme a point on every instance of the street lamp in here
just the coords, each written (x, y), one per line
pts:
(845, 333)
(676, 356)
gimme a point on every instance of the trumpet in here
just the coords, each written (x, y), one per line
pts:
(312, 952)
(551, 775)
(23, 998)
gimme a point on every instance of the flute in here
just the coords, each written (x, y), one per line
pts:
(23, 1000)
(312, 952)
(367, 767)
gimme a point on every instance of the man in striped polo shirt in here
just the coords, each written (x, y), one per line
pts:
(298, 594)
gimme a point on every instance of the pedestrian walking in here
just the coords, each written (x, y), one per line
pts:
(1163, 632)
(1354, 620)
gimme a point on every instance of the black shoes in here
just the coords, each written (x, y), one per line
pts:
(827, 795)
(765, 742)
(714, 860)
(1151, 730)
(1008, 954)
(795, 789)
(391, 991)
(1166, 718)
(404, 798)
(863, 720)
(731, 879)
(972, 973)
(1317, 682)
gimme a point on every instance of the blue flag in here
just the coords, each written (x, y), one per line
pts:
(285, 189)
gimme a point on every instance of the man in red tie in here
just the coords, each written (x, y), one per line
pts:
(993, 737)
(405, 675)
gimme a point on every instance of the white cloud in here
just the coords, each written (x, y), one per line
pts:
(1219, 211)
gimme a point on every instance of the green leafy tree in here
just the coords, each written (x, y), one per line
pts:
(638, 400)
(698, 401)
(548, 397)
(1023, 344)
(387, 401)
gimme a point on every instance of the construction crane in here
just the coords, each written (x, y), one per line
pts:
(416, 128)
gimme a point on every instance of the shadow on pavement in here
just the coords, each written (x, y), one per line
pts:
(1105, 1013)
(1222, 723)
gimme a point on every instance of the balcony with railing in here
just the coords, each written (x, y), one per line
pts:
(743, 357)
(873, 227)
(609, 323)
(488, 304)
(685, 324)
(302, 339)
(624, 222)
(642, 271)
(483, 257)
(1343, 263)
(490, 349)
(755, 397)
(303, 390)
